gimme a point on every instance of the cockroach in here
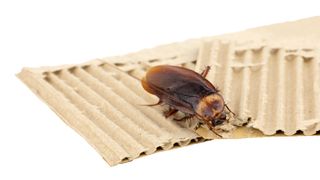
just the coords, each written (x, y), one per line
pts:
(186, 91)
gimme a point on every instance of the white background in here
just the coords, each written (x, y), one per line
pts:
(36, 144)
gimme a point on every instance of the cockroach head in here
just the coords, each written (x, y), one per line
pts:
(211, 108)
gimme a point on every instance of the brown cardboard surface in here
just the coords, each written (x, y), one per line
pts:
(103, 104)
(278, 88)
(100, 102)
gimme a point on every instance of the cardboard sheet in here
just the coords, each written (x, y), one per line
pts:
(101, 101)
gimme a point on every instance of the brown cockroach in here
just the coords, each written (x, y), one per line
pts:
(186, 91)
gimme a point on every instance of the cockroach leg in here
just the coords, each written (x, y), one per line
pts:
(184, 118)
(212, 129)
(170, 112)
(229, 109)
(205, 72)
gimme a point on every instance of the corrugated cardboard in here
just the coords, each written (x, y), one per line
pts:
(101, 103)
(277, 88)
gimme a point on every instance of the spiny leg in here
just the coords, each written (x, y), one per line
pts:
(229, 109)
(212, 129)
(170, 112)
(205, 72)
(185, 117)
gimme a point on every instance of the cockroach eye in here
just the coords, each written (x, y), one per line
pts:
(220, 120)
(217, 122)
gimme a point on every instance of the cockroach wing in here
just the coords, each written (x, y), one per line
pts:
(179, 87)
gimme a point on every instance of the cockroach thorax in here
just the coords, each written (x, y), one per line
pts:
(210, 106)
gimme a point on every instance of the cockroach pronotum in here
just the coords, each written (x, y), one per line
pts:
(186, 91)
